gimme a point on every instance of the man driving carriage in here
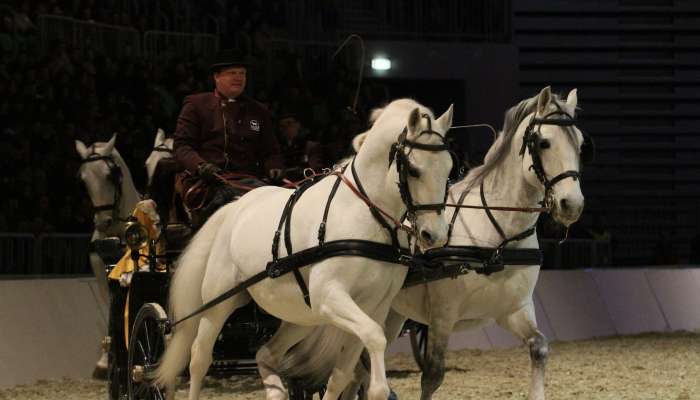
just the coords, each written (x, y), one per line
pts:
(224, 140)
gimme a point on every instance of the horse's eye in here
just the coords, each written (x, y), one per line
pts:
(544, 144)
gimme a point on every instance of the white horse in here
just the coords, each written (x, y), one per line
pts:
(162, 148)
(508, 180)
(350, 294)
(113, 195)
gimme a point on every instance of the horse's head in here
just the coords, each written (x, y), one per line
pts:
(552, 150)
(162, 148)
(423, 164)
(420, 163)
(102, 177)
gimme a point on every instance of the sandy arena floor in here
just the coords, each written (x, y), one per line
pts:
(648, 367)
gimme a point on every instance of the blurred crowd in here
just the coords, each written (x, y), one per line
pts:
(52, 95)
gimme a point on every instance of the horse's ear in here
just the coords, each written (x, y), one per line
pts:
(358, 140)
(571, 102)
(413, 120)
(445, 119)
(81, 149)
(160, 137)
(543, 99)
(110, 144)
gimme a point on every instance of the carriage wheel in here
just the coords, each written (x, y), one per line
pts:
(146, 346)
(419, 343)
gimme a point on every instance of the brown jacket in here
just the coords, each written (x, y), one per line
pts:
(247, 143)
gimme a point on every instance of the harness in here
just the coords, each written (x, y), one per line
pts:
(491, 259)
(456, 260)
(392, 253)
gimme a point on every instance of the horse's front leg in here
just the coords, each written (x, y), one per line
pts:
(392, 328)
(100, 271)
(343, 372)
(342, 311)
(271, 353)
(439, 332)
(523, 324)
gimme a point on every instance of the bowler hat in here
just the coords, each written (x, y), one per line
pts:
(228, 58)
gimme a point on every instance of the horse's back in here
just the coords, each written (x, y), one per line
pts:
(250, 227)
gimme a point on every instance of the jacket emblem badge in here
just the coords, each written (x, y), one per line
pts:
(254, 125)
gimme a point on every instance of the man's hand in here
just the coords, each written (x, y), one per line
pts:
(207, 170)
(274, 173)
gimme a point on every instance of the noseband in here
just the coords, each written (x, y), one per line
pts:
(531, 140)
(404, 168)
(115, 177)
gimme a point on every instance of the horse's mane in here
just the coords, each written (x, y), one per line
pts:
(498, 151)
(399, 108)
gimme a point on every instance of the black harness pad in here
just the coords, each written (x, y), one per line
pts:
(336, 248)
(452, 261)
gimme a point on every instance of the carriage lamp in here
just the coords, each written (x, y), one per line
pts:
(135, 235)
(381, 64)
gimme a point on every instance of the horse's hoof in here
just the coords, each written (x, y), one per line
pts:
(392, 395)
(99, 373)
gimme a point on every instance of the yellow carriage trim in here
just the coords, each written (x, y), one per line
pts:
(146, 214)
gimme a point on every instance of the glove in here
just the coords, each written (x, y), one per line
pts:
(274, 173)
(207, 170)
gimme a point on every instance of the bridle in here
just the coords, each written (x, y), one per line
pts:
(531, 141)
(115, 177)
(404, 168)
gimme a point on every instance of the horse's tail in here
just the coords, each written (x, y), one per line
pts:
(312, 360)
(185, 297)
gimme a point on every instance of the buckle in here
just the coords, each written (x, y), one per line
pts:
(273, 270)
(494, 263)
(405, 259)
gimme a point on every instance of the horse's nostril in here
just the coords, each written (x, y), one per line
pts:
(426, 237)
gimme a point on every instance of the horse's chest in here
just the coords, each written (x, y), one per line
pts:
(486, 297)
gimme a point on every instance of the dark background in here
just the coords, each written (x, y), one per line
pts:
(83, 69)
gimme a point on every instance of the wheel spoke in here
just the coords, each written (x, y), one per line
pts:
(141, 389)
(143, 352)
(158, 393)
(146, 335)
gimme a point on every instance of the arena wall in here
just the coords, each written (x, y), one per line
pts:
(52, 328)
(49, 328)
(583, 304)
